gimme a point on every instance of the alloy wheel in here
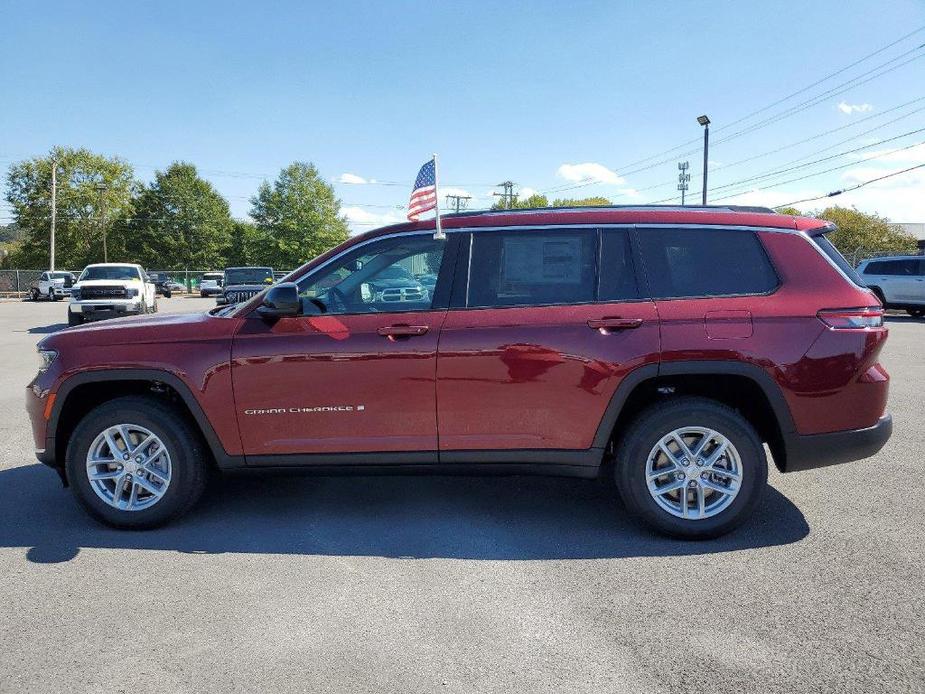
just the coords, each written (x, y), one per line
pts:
(694, 473)
(128, 467)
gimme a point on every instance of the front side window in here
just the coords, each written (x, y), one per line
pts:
(542, 267)
(705, 262)
(397, 274)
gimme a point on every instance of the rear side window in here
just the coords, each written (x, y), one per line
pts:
(838, 259)
(705, 262)
(555, 266)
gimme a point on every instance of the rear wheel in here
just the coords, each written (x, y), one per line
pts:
(691, 468)
(134, 463)
(34, 294)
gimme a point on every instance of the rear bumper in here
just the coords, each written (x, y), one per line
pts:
(820, 450)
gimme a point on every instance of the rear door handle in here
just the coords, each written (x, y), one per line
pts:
(614, 323)
(402, 330)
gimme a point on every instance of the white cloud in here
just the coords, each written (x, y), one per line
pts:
(360, 219)
(525, 192)
(352, 179)
(590, 172)
(845, 107)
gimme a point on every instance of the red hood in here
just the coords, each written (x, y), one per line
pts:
(168, 327)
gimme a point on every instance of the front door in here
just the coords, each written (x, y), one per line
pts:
(355, 374)
(537, 346)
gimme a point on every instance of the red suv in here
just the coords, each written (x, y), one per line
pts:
(661, 346)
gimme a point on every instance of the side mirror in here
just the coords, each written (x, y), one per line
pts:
(280, 301)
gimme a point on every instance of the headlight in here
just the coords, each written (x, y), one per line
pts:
(130, 293)
(46, 358)
(75, 293)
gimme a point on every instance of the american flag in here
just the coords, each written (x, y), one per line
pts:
(424, 195)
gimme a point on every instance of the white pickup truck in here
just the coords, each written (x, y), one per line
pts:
(110, 290)
(51, 285)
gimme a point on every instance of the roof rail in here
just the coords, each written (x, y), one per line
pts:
(667, 208)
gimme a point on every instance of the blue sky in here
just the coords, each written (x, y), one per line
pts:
(547, 94)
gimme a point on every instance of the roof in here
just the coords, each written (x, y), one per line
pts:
(113, 265)
(638, 214)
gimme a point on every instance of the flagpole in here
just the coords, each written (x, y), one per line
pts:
(438, 234)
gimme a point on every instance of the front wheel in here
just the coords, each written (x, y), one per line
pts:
(691, 468)
(134, 463)
(168, 294)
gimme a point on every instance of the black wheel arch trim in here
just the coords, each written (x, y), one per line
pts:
(222, 458)
(758, 375)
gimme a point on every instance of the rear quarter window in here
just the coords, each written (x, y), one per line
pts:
(828, 248)
(705, 262)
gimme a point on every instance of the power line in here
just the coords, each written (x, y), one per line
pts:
(777, 184)
(859, 185)
(793, 110)
(777, 172)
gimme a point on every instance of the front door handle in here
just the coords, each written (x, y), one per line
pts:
(402, 330)
(608, 324)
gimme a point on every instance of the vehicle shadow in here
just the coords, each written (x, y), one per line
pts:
(46, 329)
(488, 518)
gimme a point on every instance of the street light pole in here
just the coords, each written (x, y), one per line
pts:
(705, 122)
(101, 188)
(54, 213)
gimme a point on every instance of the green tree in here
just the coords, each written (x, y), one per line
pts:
(248, 245)
(299, 214)
(860, 233)
(93, 193)
(181, 222)
(537, 200)
(581, 202)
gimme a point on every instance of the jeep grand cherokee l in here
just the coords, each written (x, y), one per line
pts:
(663, 347)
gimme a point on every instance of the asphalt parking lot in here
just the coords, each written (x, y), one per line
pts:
(443, 584)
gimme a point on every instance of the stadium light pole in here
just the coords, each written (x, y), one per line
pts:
(705, 122)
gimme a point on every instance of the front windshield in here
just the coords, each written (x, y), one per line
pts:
(248, 275)
(109, 272)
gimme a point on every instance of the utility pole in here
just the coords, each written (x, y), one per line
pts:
(683, 178)
(54, 212)
(705, 122)
(507, 197)
(101, 188)
(460, 202)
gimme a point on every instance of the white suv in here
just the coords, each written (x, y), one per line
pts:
(109, 290)
(899, 282)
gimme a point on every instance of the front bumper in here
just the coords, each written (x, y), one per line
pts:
(111, 308)
(820, 450)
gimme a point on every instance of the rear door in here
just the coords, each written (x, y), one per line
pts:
(536, 342)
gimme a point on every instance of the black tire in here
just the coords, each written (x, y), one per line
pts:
(74, 318)
(167, 295)
(658, 421)
(916, 312)
(189, 470)
(34, 294)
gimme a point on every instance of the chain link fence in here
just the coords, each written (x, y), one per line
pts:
(17, 283)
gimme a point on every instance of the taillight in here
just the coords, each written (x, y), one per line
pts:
(852, 318)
